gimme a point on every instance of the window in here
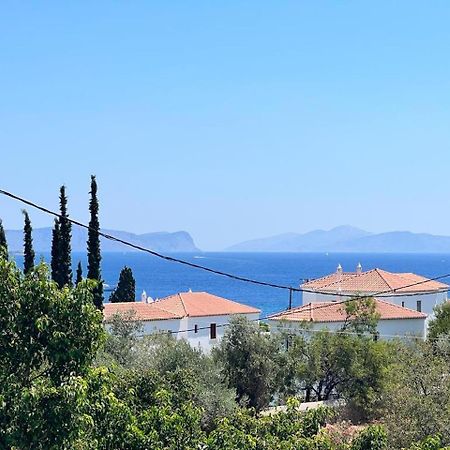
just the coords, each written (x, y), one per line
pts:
(213, 331)
(196, 328)
(403, 304)
(419, 305)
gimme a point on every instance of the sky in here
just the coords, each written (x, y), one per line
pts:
(229, 119)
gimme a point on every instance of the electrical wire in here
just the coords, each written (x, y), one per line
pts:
(225, 274)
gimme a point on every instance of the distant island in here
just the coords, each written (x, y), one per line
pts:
(347, 239)
(179, 241)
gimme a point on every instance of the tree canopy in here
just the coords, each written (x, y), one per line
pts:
(126, 287)
(28, 252)
(93, 246)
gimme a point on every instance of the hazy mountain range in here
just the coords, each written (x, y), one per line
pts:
(348, 239)
(180, 241)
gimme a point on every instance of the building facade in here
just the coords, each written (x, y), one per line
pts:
(407, 290)
(394, 321)
(199, 317)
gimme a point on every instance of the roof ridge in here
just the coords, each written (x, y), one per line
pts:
(379, 272)
(169, 310)
(182, 303)
(330, 275)
(350, 276)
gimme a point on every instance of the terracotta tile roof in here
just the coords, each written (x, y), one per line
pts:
(143, 311)
(197, 304)
(186, 304)
(335, 312)
(374, 281)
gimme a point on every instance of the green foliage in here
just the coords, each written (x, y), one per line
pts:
(170, 359)
(65, 235)
(61, 261)
(371, 438)
(55, 254)
(93, 246)
(48, 338)
(440, 325)
(126, 288)
(157, 392)
(28, 251)
(417, 399)
(122, 338)
(248, 360)
(3, 243)
(79, 275)
(327, 364)
(429, 443)
(288, 431)
(361, 315)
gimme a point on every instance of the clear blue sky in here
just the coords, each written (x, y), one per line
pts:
(229, 119)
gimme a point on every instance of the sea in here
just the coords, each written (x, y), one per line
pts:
(160, 278)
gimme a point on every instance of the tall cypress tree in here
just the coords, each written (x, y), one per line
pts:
(28, 262)
(79, 277)
(65, 235)
(55, 263)
(93, 246)
(126, 288)
(3, 243)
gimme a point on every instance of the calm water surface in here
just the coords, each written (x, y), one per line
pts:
(160, 278)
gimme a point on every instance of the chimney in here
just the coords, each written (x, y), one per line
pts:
(359, 269)
(339, 272)
(144, 297)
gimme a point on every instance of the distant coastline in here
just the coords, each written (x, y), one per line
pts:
(347, 239)
(180, 241)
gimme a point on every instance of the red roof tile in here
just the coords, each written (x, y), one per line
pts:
(143, 311)
(197, 304)
(186, 304)
(374, 281)
(335, 312)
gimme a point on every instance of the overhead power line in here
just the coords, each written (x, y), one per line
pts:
(291, 289)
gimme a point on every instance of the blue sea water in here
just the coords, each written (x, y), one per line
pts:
(160, 278)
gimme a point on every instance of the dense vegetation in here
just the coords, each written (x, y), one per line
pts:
(66, 384)
(126, 287)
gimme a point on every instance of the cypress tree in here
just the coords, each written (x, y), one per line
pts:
(3, 243)
(93, 246)
(126, 288)
(28, 263)
(55, 263)
(79, 277)
(65, 235)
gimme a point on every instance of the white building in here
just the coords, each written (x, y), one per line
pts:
(394, 321)
(407, 290)
(198, 317)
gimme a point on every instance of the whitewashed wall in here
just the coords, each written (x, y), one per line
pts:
(428, 300)
(387, 329)
(201, 339)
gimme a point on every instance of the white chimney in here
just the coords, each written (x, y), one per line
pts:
(359, 269)
(339, 269)
(144, 297)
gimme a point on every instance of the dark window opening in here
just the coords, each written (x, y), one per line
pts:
(196, 328)
(419, 305)
(213, 331)
(403, 304)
